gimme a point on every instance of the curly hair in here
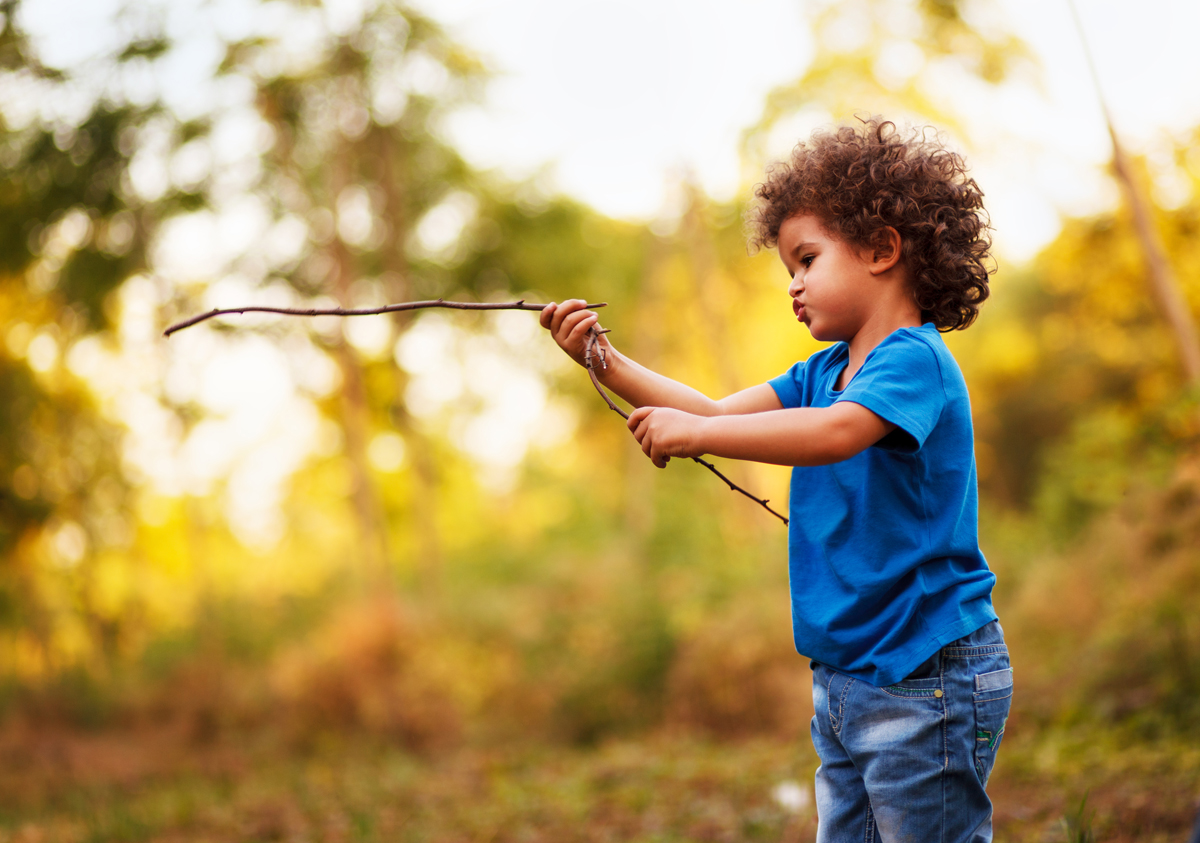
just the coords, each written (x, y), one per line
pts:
(857, 181)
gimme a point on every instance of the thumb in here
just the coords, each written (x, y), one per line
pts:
(635, 417)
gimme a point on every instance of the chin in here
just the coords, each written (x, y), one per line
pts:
(818, 334)
(826, 335)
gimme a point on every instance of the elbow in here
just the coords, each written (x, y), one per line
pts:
(842, 440)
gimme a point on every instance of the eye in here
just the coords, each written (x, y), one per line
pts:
(807, 260)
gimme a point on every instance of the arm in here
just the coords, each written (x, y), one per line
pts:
(569, 324)
(798, 436)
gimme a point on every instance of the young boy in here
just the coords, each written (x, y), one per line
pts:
(886, 243)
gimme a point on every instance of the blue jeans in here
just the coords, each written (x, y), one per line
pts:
(909, 762)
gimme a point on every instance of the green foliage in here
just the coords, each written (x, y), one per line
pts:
(145, 48)
(56, 172)
(1078, 826)
(73, 230)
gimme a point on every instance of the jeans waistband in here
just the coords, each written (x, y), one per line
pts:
(989, 638)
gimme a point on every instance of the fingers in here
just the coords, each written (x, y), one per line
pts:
(562, 311)
(575, 326)
(635, 420)
(569, 323)
(639, 422)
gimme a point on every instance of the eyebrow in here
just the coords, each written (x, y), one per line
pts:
(800, 247)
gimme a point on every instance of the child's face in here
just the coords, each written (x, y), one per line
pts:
(830, 279)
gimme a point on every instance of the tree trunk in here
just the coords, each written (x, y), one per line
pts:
(1163, 282)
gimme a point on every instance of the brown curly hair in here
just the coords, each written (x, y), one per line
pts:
(858, 181)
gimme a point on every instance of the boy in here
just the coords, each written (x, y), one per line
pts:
(886, 242)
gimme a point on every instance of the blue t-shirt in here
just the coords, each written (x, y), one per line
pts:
(885, 566)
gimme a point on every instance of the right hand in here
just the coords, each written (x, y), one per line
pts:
(569, 324)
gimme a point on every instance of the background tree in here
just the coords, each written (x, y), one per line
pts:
(73, 228)
(915, 60)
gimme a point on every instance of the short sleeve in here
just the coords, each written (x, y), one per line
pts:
(901, 382)
(787, 386)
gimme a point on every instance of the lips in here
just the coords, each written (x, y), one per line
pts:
(798, 309)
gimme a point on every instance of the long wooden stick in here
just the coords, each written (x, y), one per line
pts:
(342, 311)
(594, 357)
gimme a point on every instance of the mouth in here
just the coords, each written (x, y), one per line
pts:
(798, 309)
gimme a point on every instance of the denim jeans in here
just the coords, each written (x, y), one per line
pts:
(909, 762)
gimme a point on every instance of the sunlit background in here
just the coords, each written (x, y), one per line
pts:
(285, 556)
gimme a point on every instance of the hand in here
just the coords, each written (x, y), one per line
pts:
(664, 433)
(569, 324)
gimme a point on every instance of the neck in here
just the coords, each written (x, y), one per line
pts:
(885, 318)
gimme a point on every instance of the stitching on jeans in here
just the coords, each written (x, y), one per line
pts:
(869, 831)
(916, 693)
(842, 700)
(986, 736)
(982, 696)
(835, 722)
(945, 739)
(981, 650)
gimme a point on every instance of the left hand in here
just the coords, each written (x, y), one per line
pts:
(664, 433)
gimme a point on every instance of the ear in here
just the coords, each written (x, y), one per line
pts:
(884, 250)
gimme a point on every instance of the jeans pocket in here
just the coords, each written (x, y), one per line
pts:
(929, 688)
(993, 697)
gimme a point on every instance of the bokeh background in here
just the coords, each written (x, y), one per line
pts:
(407, 578)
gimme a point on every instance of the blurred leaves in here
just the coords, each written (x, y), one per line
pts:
(907, 59)
(1084, 394)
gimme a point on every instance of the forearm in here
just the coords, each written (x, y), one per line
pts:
(801, 436)
(642, 387)
(571, 325)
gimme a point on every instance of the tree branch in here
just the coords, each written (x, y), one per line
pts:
(593, 356)
(341, 311)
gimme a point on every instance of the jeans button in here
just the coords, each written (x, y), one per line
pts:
(938, 693)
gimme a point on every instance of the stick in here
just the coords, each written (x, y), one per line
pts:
(341, 311)
(594, 352)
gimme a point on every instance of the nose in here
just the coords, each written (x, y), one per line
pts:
(797, 285)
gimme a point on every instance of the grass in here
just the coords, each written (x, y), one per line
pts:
(659, 788)
(1078, 826)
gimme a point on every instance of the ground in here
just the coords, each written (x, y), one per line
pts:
(142, 786)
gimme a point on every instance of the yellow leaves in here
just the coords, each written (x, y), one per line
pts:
(113, 587)
(1010, 349)
(1057, 332)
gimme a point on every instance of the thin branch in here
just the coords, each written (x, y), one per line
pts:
(341, 311)
(594, 355)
